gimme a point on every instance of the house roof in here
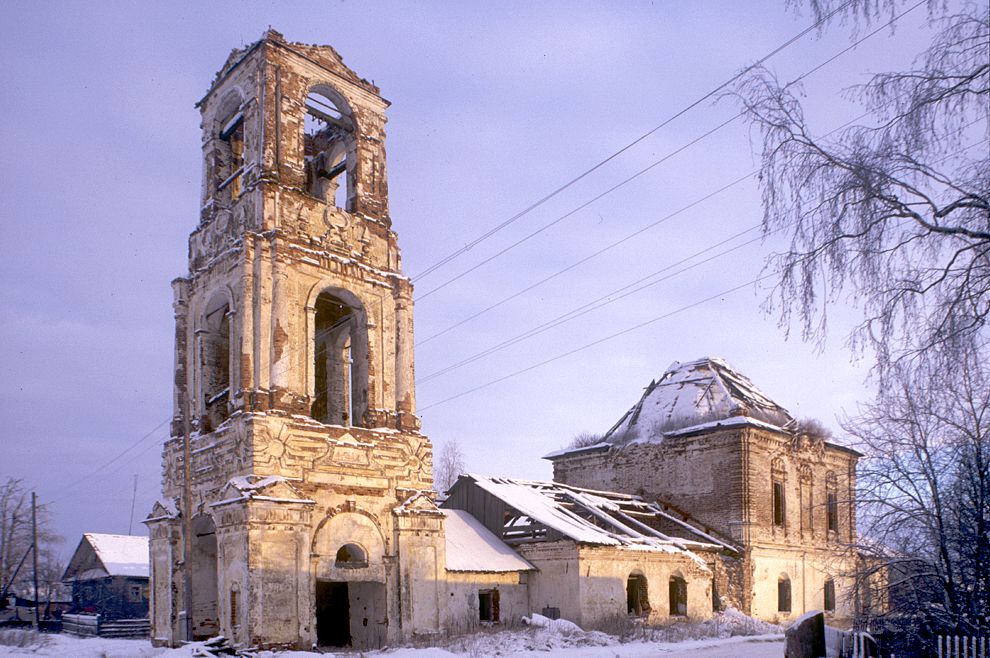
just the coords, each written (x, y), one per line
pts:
(99, 555)
(473, 547)
(589, 516)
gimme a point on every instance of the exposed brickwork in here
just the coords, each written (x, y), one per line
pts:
(724, 479)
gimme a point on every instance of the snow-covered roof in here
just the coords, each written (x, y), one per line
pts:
(587, 516)
(99, 555)
(697, 396)
(473, 547)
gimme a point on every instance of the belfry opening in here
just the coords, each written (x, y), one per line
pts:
(339, 361)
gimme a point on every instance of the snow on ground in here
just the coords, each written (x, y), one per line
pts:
(759, 646)
(728, 635)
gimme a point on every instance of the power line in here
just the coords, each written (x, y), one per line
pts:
(115, 458)
(689, 107)
(586, 258)
(584, 205)
(604, 300)
(599, 341)
(641, 172)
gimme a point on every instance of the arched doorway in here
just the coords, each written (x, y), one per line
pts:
(350, 601)
(203, 572)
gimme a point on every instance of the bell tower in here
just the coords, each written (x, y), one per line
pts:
(295, 448)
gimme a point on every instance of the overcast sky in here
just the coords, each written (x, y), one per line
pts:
(493, 106)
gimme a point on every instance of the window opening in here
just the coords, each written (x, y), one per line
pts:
(637, 596)
(678, 596)
(215, 366)
(784, 594)
(233, 608)
(328, 145)
(488, 605)
(778, 504)
(339, 371)
(351, 556)
(833, 513)
(232, 156)
(829, 603)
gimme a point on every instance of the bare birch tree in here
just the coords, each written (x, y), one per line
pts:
(924, 498)
(895, 211)
(894, 214)
(15, 537)
(448, 464)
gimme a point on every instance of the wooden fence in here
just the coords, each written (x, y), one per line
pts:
(954, 646)
(94, 625)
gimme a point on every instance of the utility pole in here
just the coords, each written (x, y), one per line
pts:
(186, 516)
(130, 523)
(34, 544)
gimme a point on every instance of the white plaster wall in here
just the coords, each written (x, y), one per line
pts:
(605, 572)
(807, 571)
(555, 583)
(460, 603)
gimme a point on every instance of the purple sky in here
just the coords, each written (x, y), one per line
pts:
(493, 107)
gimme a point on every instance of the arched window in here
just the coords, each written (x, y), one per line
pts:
(637, 595)
(829, 603)
(340, 361)
(214, 362)
(329, 148)
(784, 593)
(351, 556)
(229, 151)
(831, 502)
(778, 476)
(678, 595)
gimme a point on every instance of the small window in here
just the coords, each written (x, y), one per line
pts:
(784, 594)
(233, 608)
(678, 596)
(488, 605)
(779, 507)
(351, 556)
(637, 596)
(833, 513)
(829, 595)
(135, 593)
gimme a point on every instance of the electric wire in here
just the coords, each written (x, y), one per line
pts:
(643, 171)
(118, 456)
(681, 309)
(689, 107)
(606, 299)
(599, 341)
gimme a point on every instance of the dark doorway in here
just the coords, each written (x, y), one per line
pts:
(333, 614)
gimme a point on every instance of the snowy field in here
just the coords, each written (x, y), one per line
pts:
(728, 635)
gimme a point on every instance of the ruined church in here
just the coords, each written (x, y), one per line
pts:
(297, 505)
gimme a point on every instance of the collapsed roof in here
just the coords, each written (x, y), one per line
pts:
(536, 510)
